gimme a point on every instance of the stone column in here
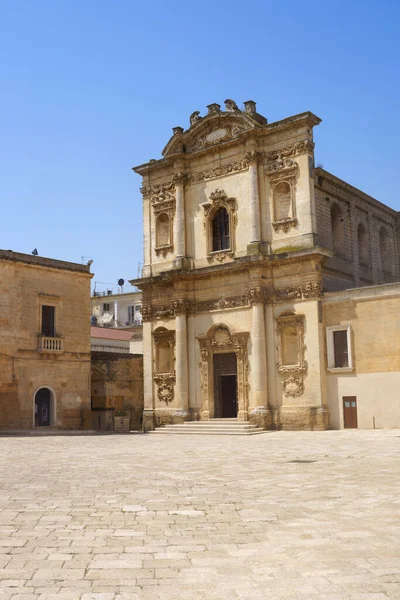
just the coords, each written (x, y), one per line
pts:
(255, 225)
(179, 221)
(354, 245)
(181, 362)
(146, 191)
(374, 249)
(258, 409)
(148, 408)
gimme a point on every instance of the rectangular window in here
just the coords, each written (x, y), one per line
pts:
(138, 308)
(48, 321)
(106, 307)
(340, 349)
(130, 314)
(338, 339)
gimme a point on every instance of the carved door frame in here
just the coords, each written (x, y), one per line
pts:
(219, 340)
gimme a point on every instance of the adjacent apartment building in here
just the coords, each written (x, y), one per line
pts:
(44, 343)
(269, 286)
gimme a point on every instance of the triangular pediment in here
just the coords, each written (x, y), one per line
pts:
(213, 129)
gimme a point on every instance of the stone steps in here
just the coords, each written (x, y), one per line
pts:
(212, 427)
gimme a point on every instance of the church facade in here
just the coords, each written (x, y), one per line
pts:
(248, 249)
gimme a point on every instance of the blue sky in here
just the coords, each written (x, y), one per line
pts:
(91, 88)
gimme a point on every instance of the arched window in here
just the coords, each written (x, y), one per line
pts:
(163, 233)
(282, 201)
(362, 241)
(338, 236)
(220, 230)
(385, 251)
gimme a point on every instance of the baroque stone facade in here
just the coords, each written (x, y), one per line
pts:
(252, 236)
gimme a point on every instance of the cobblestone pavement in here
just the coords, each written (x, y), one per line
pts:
(285, 515)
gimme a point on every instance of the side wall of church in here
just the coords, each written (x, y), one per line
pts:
(362, 234)
(373, 317)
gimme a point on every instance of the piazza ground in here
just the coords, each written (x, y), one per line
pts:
(297, 515)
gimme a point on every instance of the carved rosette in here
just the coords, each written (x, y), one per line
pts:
(219, 340)
(292, 375)
(219, 199)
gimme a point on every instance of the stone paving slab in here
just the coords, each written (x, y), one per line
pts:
(290, 515)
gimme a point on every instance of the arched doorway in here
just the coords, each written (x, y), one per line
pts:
(43, 407)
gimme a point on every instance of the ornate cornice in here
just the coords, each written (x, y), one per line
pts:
(255, 295)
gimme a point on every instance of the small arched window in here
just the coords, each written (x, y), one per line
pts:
(220, 230)
(385, 251)
(338, 236)
(282, 201)
(363, 252)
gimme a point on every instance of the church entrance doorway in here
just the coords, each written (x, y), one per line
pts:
(42, 407)
(225, 385)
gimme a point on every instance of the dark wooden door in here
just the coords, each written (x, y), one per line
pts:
(42, 408)
(350, 412)
(228, 396)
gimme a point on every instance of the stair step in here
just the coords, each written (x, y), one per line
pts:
(162, 431)
(212, 427)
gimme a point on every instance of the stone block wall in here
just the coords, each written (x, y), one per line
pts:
(118, 376)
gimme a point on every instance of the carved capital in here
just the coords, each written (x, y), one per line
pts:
(258, 295)
(147, 312)
(181, 307)
(253, 156)
(179, 178)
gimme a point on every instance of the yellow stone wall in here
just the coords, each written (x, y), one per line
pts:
(25, 284)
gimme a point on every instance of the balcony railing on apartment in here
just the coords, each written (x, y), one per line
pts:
(51, 344)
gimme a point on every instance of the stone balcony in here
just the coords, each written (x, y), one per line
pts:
(50, 344)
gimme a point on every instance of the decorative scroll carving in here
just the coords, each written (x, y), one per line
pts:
(284, 224)
(222, 303)
(164, 363)
(292, 365)
(220, 171)
(308, 290)
(219, 199)
(280, 164)
(216, 133)
(218, 340)
(298, 148)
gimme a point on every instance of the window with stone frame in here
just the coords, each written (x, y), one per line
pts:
(220, 230)
(219, 224)
(338, 339)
